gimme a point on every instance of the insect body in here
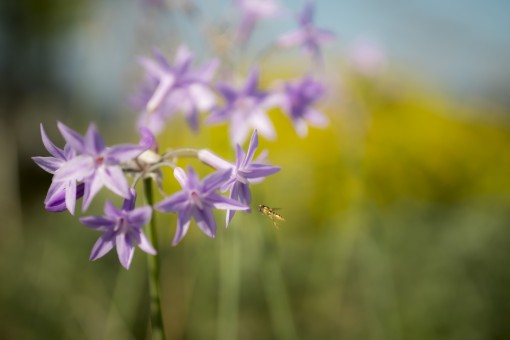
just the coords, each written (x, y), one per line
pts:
(271, 213)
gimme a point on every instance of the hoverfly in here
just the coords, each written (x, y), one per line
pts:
(271, 213)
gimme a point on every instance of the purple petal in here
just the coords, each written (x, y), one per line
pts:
(160, 93)
(227, 92)
(181, 177)
(123, 153)
(259, 170)
(183, 58)
(243, 193)
(263, 124)
(240, 155)
(254, 142)
(56, 199)
(72, 138)
(234, 193)
(102, 246)
(215, 180)
(98, 222)
(125, 250)
(145, 245)
(223, 203)
(306, 16)
(112, 211)
(252, 82)
(139, 216)
(151, 67)
(71, 196)
(93, 140)
(173, 203)
(92, 187)
(213, 160)
(147, 139)
(48, 164)
(48, 144)
(113, 178)
(205, 221)
(77, 169)
(202, 98)
(129, 203)
(183, 221)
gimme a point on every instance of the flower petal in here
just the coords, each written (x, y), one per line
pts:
(112, 211)
(215, 180)
(98, 222)
(48, 164)
(92, 187)
(123, 152)
(113, 178)
(102, 246)
(139, 216)
(205, 221)
(125, 249)
(181, 177)
(93, 140)
(223, 203)
(254, 143)
(259, 170)
(213, 160)
(48, 144)
(173, 203)
(72, 138)
(183, 222)
(76, 169)
(145, 245)
(71, 196)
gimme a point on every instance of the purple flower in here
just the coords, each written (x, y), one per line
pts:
(122, 228)
(96, 165)
(61, 195)
(251, 12)
(173, 88)
(308, 35)
(245, 109)
(297, 100)
(244, 172)
(197, 199)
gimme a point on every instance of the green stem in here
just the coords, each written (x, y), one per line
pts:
(228, 304)
(158, 332)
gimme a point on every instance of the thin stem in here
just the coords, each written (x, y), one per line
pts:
(228, 305)
(280, 310)
(158, 332)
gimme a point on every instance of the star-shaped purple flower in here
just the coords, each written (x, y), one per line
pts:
(297, 99)
(61, 195)
(173, 88)
(197, 199)
(308, 35)
(245, 109)
(96, 165)
(251, 12)
(244, 172)
(121, 228)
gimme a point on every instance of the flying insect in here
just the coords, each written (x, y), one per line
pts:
(271, 213)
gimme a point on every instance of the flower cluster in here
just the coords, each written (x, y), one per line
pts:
(86, 164)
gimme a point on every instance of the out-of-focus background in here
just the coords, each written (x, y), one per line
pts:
(397, 215)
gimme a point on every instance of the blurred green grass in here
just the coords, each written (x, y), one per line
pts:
(397, 227)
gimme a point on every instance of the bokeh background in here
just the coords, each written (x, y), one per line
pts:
(397, 215)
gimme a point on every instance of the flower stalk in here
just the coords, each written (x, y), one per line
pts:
(158, 332)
